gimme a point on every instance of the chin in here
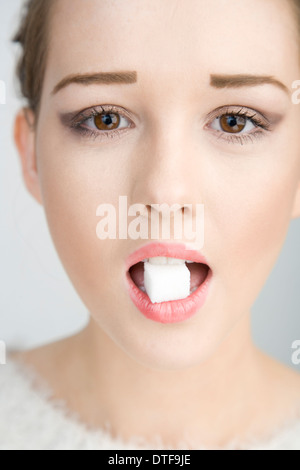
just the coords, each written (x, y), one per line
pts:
(167, 351)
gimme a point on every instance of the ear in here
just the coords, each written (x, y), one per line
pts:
(296, 205)
(24, 136)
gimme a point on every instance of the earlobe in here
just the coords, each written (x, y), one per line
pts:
(296, 206)
(24, 136)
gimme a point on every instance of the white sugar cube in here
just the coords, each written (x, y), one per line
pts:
(164, 282)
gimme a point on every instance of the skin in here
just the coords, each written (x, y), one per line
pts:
(203, 379)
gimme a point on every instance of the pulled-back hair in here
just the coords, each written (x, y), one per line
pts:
(33, 36)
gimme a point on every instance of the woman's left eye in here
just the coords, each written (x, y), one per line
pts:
(233, 124)
(238, 124)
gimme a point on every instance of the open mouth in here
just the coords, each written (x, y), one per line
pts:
(198, 274)
(168, 283)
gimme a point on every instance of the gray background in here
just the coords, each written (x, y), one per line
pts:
(37, 301)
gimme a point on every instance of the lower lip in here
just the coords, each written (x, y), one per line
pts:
(173, 311)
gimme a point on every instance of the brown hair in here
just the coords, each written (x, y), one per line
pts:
(32, 35)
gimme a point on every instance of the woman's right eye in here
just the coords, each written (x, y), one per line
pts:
(107, 121)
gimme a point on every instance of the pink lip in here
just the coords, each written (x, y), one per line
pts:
(176, 310)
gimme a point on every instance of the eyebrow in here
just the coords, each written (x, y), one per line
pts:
(240, 80)
(126, 77)
(104, 78)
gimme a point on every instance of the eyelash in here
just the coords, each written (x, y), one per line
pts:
(257, 119)
(262, 125)
(79, 119)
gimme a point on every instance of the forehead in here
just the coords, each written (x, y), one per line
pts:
(173, 39)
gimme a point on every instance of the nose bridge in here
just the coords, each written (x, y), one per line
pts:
(166, 175)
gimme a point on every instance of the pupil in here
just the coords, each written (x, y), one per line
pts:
(107, 120)
(232, 122)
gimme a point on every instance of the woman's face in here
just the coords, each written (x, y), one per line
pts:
(172, 149)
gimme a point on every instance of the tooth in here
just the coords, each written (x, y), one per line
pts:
(175, 261)
(193, 290)
(162, 260)
(158, 260)
(188, 261)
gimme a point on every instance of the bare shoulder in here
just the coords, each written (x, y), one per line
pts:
(282, 384)
(280, 371)
(52, 362)
(42, 355)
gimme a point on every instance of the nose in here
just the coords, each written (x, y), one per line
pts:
(167, 179)
(164, 172)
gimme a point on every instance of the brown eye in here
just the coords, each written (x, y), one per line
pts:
(107, 121)
(232, 123)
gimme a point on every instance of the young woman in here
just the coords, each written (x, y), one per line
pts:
(168, 102)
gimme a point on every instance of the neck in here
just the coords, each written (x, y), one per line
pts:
(197, 401)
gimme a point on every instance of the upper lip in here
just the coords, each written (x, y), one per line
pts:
(171, 250)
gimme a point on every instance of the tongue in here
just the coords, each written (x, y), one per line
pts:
(198, 274)
(137, 274)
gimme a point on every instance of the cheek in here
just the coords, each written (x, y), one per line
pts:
(252, 220)
(74, 181)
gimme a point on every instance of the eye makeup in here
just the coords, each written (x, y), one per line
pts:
(236, 119)
(232, 123)
(98, 116)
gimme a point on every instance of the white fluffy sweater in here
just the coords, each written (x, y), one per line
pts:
(29, 420)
